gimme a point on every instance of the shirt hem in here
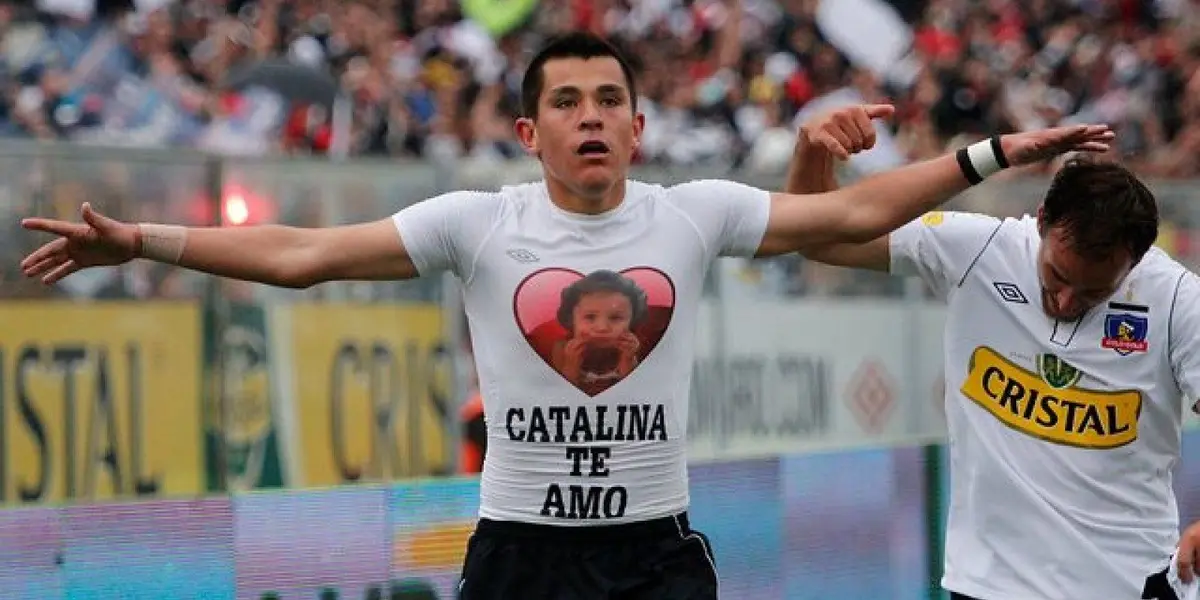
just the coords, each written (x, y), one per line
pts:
(540, 520)
(979, 592)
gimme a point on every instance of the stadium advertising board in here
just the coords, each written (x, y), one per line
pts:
(312, 544)
(785, 376)
(31, 544)
(242, 438)
(839, 524)
(325, 394)
(369, 389)
(178, 548)
(430, 523)
(99, 401)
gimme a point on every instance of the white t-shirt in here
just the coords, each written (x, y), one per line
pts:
(1062, 435)
(583, 330)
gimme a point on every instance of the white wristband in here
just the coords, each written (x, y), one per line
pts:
(982, 159)
(162, 243)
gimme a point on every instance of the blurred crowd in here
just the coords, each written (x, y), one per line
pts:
(723, 83)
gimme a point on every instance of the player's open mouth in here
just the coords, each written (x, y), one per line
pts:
(592, 148)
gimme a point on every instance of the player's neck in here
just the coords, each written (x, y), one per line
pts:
(571, 202)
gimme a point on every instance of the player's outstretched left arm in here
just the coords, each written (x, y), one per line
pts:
(879, 204)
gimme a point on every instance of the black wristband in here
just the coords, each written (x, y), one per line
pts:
(968, 169)
(998, 150)
(982, 159)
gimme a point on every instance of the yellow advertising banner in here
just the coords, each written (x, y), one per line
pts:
(371, 387)
(99, 401)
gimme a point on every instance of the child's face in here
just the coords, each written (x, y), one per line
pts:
(602, 315)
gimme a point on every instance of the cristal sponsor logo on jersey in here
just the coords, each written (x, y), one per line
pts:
(1048, 404)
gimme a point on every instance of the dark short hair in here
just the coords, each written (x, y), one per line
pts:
(1102, 208)
(578, 44)
(601, 281)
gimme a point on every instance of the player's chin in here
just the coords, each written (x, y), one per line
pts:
(595, 179)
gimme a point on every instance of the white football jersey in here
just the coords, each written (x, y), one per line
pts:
(583, 330)
(1062, 435)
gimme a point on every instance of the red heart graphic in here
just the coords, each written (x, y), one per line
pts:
(594, 330)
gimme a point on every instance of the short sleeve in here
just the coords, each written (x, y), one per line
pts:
(1184, 340)
(443, 233)
(732, 217)
(940, 247)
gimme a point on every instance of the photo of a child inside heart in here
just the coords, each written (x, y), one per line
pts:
(602, 325)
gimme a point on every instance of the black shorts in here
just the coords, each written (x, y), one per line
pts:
(663, 559)
(1158, 587)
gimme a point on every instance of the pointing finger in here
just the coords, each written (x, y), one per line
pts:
(54, 226)
(880, 111)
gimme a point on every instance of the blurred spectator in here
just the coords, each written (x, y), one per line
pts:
(440, 78)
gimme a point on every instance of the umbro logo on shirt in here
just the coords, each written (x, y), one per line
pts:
(522, 255)
(1010, 292)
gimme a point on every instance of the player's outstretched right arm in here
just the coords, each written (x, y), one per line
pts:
(272, 254)
(884, 202)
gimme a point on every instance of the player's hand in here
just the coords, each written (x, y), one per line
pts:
(97, 241)
(1035, 146)
(847, 130)
(1185, 558)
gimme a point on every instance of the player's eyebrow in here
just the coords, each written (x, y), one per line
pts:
(574, 91)
(613, 89)
(565, 90)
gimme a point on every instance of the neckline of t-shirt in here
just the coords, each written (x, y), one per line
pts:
(587, 218)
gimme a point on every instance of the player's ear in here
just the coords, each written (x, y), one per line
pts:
(527, 135)
(639, 124)
(1041, 221)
